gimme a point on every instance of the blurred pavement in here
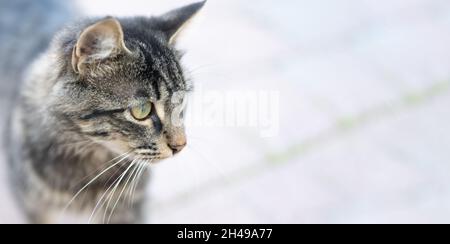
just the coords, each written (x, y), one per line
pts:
(364, 113)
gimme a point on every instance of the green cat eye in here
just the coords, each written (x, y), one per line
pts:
(141, 112)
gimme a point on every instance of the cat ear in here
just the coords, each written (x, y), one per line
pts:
(97, 42)
(173, 22)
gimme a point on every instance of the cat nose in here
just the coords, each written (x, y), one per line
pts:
(177, 147)
(176, 141)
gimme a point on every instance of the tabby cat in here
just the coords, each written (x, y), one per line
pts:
(99, 106)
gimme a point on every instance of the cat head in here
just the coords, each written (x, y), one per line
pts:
(125, 86)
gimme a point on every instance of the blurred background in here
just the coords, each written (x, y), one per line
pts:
(364, 112)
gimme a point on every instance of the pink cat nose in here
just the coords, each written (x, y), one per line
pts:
(177, 148)
(176, 141)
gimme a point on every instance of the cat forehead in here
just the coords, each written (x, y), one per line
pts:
(161, 66)
(137, 85)
(152, 70)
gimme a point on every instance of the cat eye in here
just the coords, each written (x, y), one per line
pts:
(141, 112)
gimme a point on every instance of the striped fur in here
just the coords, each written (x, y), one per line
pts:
(66, 125)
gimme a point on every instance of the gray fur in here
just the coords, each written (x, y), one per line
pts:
(66, 125)
(26, 28)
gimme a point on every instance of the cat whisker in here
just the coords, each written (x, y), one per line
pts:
(134, 181)
(122, 158)
(136, 166)
(142, 170)
(71, 129)
(99, 202)
(111, 196)
(99, 169)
